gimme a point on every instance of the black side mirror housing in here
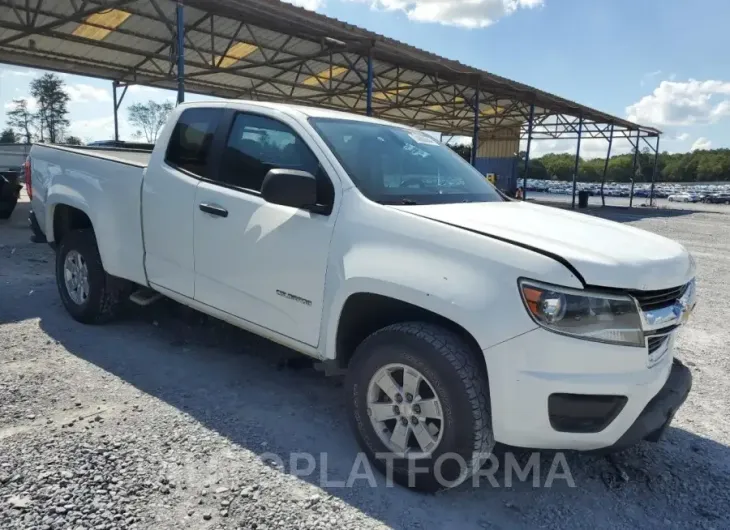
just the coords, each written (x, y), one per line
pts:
(290, 187)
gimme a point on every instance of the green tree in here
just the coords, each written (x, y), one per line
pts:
(464, 150)
(22, 119)
(536, 167)
(697, 166)
(149, 118)
(8, 136)
(559, 166)
(73, 140)
(52, 105)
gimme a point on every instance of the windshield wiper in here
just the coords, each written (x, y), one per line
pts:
(404, 202)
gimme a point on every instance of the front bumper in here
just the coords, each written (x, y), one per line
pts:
(658, 414)
(525, 371)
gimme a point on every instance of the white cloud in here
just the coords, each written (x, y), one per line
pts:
(312, 5)
(465, 13)
(82, 93)
(19, 73)
(93, 129)
(700, 144)
(590, 148)
(32, 104)
(151, 92)
(648, 76)
(682, 137)
(683, 103)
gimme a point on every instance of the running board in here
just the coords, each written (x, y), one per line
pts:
(145, 297)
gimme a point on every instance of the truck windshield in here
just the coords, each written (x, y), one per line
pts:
(392, 165)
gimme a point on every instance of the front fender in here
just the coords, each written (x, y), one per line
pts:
(487, 307)
(462, 276)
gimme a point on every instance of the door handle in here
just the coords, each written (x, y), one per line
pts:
(213, 209)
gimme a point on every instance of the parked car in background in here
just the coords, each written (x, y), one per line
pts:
(680, 197)
(717, 198)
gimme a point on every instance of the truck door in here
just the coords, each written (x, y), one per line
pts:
(262, 262)
(168, 200)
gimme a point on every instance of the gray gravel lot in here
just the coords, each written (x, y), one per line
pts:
(159, 421)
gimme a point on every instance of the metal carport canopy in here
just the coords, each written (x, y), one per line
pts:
(270, 50)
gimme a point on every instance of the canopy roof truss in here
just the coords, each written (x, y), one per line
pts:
(268, 50)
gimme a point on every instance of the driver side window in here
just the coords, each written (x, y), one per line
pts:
(257, 144)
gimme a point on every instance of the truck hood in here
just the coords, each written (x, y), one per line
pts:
(604, 253)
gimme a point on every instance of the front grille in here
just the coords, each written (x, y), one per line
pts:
(649, 300)
(654, 343)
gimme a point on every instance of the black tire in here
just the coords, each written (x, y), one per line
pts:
(7, 206)
(461, 385)
(106, 293)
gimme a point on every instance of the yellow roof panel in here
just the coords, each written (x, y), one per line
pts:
(101, 24)
(324, 75)
(490, 111)
(391, 93)
(234, 54)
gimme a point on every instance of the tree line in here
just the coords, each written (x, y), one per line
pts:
(47, 119)
(696, 166)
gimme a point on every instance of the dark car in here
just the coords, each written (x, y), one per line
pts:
(10, 184)
(717, 198)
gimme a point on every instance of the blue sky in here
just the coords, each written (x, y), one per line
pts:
(659, 62)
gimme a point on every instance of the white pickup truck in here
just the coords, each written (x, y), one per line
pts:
(460, 317)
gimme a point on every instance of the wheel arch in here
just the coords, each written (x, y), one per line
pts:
(363, 313)
(66, 218)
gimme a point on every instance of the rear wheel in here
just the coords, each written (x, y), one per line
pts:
(88, 293)
(419, 405)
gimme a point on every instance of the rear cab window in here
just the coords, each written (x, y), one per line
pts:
(191, 141)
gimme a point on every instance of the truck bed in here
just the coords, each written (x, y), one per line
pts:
(104, 184)
(134, 157)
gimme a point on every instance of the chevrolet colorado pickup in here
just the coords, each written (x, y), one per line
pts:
(460, 318)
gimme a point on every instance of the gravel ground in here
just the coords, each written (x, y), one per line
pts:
(163, 420)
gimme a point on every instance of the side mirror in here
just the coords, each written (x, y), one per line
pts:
(290, 187)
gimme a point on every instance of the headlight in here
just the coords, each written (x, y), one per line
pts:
(582, 314)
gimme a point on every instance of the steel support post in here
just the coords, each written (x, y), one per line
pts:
(116, 109)
(633, 169)
(370, 83)
(475, 138)
(577, 158)
(180, 53)
(117, 103)
(527, 153)
(605, 166)
(654, 172)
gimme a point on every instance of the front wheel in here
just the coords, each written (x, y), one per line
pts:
(419, 404)
(88, 293)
